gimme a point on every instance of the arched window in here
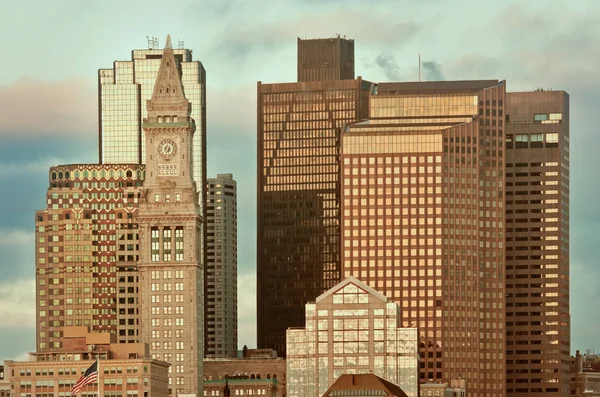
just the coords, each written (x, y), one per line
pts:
(160, 119)
(94, 174)
(102, 174)
(251, 376)
(167, 119)
(129, 174)
(53, 175)
(268, 376)
(274, 376)
(60, 175)
(174, 119)
(67, 174)
(77, 174)
(86, 174)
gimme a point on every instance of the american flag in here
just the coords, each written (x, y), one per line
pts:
(90, 376)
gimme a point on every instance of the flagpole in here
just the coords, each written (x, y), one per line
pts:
(98, 374)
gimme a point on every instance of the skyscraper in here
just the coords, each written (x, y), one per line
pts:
(171, 266)
(298, 217)
(423, 220)
(122, 94)
(221, 298)
(87, 251)
(537, 244)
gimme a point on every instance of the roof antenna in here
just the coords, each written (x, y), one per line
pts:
(419, 68)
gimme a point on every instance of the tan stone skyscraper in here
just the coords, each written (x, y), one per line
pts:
(171, 268)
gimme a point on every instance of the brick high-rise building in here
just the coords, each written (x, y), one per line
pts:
(423, 220)
(221, 298)
(87, 251)
(298, 215)
(537, 244)
(171, 268)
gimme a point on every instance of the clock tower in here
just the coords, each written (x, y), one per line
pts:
(171, 267)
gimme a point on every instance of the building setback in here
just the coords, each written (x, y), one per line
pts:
(221, 299)
(298, 214)
(537, 244)
(423, 220)
(351, 329)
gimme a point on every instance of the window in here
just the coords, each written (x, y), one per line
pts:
(540, 117)
(552, 137)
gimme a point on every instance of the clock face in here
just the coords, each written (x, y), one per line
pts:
(167, 148)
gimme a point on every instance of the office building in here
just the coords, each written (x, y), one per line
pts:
(298, 210)
(537, 244)
(423, 220)
(351, 329)
(358, 385)
(125, 369)
(221, 268)
(87, 251)
(171, 266)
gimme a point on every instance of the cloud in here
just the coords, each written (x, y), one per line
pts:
(17, 248)
(388, 65)
(65, 108)
(433, 71)
(17, 303)
(247, 309)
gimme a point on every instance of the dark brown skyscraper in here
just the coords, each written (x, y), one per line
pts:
(537, 244)
(298, 254)
(423, 220)
(325, 59)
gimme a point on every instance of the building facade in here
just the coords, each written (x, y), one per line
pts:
(537, 244)
(253, 374)
(351, 329)
(87, 250)
(585, 375)
(298, 214)
(125, 369)
(423, 220)
(221, 299)
(328, 59)
(171, 266)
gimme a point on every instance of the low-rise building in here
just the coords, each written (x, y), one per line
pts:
(4, 383)
(351, 329)
(125, 369)
(456, 388)
(585, 375)
(258, 372)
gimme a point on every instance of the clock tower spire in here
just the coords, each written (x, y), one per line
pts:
(171, 228)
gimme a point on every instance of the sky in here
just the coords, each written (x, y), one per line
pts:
(48, 101)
